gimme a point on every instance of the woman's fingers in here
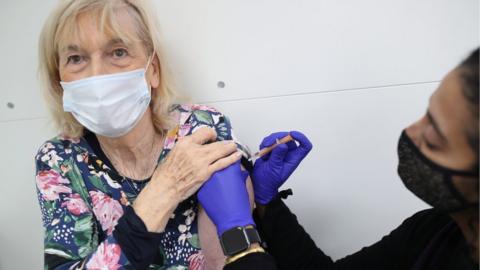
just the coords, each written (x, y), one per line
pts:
(217, 150)
(223, 163)
(203, 135)
(191, 162)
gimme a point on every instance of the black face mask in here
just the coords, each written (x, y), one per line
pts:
(429, 181)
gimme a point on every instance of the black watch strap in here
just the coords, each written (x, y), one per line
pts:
(252, 234)
(238, 239)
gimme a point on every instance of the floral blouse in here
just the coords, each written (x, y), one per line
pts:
(81, 199)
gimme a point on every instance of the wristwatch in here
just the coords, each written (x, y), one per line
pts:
(239, 239)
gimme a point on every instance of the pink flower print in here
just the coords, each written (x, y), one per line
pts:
(107, 210)
(169, 142)
(75, 204)
(196, 261)
(194, 107)
(65, 169)
(106, 257)
(175, 116)
(184, 117)
(184, 129)
(186, 107)
(203, 108)
(50, 184)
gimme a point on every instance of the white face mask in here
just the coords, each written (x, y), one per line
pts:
(108, 105)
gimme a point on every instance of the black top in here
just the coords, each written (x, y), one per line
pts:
(427, 240)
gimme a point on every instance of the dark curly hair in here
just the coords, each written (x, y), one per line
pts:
(469, 74)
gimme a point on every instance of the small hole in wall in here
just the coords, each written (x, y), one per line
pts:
(10, 105)
(221, 84)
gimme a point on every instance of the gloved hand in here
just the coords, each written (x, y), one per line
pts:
(272, 170)
(225, 199)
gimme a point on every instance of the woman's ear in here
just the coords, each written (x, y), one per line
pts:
(153, 72)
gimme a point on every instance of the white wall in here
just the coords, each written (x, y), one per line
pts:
(350, 74)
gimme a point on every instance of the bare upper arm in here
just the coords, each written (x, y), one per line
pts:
(207, 232)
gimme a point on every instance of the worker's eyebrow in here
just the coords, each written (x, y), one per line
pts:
(435, 125)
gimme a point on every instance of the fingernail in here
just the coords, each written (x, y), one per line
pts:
(228, 141)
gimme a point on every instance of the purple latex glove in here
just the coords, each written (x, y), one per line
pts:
(225, 199)
(272, 170)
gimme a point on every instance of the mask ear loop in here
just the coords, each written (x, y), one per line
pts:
(150, 60)
(465, 204)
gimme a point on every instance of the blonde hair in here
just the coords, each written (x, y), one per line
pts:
(63, 22)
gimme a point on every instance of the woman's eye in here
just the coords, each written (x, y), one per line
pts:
(430, 145)
(119, 53)
(431, 138)
(74, 59)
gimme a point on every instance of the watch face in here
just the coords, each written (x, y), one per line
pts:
(234, 241)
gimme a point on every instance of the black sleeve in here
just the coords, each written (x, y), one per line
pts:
(139, 245)
(293, 248)
(253, 261)
(286, 240)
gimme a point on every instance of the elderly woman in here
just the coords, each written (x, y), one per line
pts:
(115, 188)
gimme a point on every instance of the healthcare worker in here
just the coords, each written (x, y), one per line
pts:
(438, 162)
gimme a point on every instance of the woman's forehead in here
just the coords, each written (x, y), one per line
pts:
(450, 108)
(97, 29)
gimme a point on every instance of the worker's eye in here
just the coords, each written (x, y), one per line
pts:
(432, 138)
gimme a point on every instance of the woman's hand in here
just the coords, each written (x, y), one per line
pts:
(272, 170)
(188, 165)
(225, 199)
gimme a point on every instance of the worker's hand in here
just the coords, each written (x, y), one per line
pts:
(225, 199)
(272, 170)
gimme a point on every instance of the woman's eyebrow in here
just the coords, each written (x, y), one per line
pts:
(117, 41)
(70, 48)
(435, 126)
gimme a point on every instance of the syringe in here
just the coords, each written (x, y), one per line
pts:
(269, 149)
